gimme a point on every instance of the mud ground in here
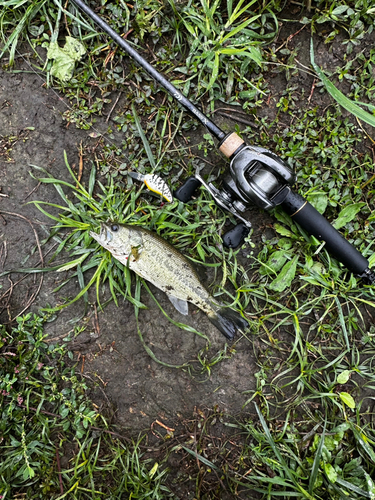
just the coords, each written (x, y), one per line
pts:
(125, 382)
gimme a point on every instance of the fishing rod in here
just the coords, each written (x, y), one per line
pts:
(256, 176)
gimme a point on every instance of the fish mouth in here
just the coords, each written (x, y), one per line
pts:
(108, 234)
(105, 236)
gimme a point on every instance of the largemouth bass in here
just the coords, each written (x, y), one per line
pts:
(158, 262)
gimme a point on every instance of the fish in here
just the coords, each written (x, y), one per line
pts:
(157, 261)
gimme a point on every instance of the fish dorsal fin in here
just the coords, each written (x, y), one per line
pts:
(180, 304)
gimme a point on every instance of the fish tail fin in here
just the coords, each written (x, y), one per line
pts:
(229, 322)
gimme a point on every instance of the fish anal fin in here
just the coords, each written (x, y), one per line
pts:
(180, 304)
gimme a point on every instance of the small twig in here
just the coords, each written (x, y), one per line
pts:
(306, 68)
(80, 167)
(368, 181)
(12, 285)
(113, 107)
(41, 411)
(96, 321)
(33, 191)
(9, 291)
(312, 91)
(169, 429)
(3, 254)
(238, 119)
(237, 111)
(111, 54)
(220, 481)
(65, 19)
(290, 38)
(151, 52)
(83, 363)
(364, 131)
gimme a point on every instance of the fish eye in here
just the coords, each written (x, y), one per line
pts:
(114, 227)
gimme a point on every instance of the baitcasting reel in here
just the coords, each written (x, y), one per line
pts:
(256, 176)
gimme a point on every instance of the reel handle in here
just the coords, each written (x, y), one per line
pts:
(187, 190)
(314, 223)
(235, 236)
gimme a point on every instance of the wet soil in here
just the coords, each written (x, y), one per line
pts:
(125, 382)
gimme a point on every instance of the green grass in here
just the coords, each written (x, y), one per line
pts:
(46, 415)
(327, 365)
(312, 334)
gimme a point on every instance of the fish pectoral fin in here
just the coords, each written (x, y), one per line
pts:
(180, 304)
(136, 252)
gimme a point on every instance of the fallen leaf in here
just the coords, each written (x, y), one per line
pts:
(65, 58)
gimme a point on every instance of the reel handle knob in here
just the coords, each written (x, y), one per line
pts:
(187, 190)
(234, 237)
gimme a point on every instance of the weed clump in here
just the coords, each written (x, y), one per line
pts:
(53, 442)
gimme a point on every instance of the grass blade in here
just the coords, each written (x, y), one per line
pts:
(240, 28)
(342, 323)
(201, 459)
(215, 72)
(237, 12)
(339, 97)
(352, 487)
(315, 467)
(146, 144)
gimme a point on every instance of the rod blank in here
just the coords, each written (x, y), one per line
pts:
(168, 86)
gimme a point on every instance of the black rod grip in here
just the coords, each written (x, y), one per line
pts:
(235, 236)
(187, 190)
(314, 223)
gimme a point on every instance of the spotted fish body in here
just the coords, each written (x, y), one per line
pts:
(158, 262)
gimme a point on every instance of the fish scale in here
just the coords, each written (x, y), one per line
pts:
(168, 270)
